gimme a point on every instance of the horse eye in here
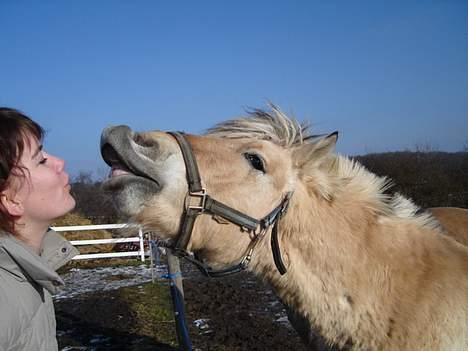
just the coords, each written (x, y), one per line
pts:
(255, 161)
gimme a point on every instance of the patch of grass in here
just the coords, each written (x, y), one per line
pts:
(153, 308)
(149, 304)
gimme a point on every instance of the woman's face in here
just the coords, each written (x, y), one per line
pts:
(44, 192)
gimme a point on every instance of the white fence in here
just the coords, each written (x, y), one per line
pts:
(139, 239)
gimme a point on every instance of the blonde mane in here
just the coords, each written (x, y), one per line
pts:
(338, 175)
(273, 126)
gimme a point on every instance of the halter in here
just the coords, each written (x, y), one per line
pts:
(206, 204)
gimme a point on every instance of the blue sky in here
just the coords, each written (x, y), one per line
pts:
(388, 75)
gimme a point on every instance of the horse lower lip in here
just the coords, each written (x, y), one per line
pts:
(118, 172)
(119, 183)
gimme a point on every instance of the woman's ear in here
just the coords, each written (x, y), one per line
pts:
(13, 205)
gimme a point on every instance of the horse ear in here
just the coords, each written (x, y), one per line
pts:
(325, 146)
(315, 152)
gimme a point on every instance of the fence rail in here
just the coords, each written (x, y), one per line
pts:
(138, 239)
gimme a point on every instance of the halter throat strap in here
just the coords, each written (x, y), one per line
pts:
(206, 204)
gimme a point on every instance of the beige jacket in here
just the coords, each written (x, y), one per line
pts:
(27, 282)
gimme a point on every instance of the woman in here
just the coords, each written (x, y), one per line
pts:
(34, 190)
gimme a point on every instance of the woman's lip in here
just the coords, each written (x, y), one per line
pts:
(67, 180)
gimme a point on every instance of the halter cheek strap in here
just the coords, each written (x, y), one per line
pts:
(206, 204)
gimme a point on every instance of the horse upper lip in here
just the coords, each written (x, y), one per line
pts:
(118, 153)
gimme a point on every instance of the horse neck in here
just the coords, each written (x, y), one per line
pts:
(340, 257)
(316, 234)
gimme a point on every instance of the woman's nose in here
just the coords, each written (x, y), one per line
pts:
(59, 164)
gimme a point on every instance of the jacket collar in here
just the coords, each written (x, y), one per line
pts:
(22, 262)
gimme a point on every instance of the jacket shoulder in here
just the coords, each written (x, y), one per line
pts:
(57, 251)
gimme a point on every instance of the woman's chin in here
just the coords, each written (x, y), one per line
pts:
(72, 204)
(69, 205)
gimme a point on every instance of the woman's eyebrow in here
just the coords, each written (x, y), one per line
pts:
(39, 149)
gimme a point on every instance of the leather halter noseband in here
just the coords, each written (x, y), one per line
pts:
(207, 204)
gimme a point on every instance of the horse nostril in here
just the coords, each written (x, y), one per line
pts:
(109, 154)
(142, 141)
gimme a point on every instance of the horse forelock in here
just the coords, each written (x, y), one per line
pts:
(272, 125)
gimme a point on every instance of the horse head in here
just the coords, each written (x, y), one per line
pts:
(249, 165)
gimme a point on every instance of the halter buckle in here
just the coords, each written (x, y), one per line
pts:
(201, 196)
(246, 259)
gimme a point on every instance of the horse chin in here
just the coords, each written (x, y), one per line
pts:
(130, 193)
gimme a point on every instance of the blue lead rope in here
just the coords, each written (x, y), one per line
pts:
(171, 276)
(179, 314)
(183, 336)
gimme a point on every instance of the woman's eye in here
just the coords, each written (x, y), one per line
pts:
(43, 161)
(255, 161)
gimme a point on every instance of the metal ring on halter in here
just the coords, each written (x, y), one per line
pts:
(201, 195)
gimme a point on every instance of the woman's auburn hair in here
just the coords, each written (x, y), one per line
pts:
(16, 129)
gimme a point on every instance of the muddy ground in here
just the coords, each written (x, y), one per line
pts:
(231, 313)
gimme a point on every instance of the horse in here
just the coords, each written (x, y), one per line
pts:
(364, 268)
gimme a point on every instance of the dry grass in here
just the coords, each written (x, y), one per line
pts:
(74, 219)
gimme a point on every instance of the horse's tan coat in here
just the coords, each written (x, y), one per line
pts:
(363, 269)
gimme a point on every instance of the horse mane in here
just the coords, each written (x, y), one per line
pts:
(273, 125)
(344, 175)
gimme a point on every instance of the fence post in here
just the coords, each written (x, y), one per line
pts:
(142, 244)
(177, 292)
